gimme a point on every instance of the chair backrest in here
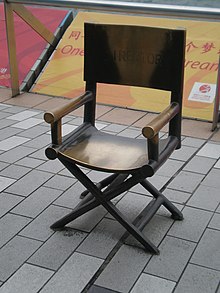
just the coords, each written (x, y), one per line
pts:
(150, 57)
(134, 55)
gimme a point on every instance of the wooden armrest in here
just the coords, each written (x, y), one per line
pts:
(152, 129)
(54, 117)
(56, 114)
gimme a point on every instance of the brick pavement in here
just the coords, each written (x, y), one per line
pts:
(89, 256)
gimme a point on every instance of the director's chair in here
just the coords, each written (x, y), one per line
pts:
(123, 55)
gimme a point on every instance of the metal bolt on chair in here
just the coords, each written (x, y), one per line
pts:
(139, 56)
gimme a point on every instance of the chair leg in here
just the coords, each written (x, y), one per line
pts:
(133, 230)
(175, 213)
(105, 182)
(88, 203)
(111, 208)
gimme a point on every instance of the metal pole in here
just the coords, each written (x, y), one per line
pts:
(11, 48)
(130, 7)
(217, 98)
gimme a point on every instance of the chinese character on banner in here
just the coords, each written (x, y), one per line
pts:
(75, 35)
(207, 47)
(190, 46)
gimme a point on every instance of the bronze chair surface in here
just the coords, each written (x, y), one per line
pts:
(123, 55)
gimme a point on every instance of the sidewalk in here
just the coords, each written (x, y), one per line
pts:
(88, 256)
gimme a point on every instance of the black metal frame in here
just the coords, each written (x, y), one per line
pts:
(116, 184)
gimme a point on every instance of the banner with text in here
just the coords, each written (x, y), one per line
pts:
(64, 73)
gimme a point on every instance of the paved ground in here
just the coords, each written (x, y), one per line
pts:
(88, 256)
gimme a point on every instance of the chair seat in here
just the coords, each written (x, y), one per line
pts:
(98, 150)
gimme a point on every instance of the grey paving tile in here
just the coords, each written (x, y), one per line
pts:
(96, 176)
(174, 256)
(28, 123)
(14, 109)
(89, 220)
(102, 239)
(176, 195)
(57, 249)
(71, 197)
(76, 120)
(29, 162)
(7, 132)
(4, 115)
(205, 197)
(183, 154)
(100, 125)
(130, 133)
(157, 180)
(15, 172)
(212, 179)
(98, 289)
(39, 154)
(197, 279)
(217, 165)
(29, 183)
(39, 142)
(116, 128)
(218, 209)
(10, 225)
(40, 115)
(4, 106)
(3, 165)
(207, 253)
(170, 168)
(60, 182)
(39, 228)
(192, 180)
(215, 222)
(16, 154)
(52, 166)
(6, 123)
(193, 142)
(35, 203)
(8, 201)
(14, 254)
(200, 165)
(28, 279)
(65, 172)
(12, 142)
(155, 231)
(5, 182)
(192, 227)
(75, 273)
(132, 204)
(66, 129)
(123, 269)
(165, 213)
(22, 115)
(210, 150)
(35, 131)
(152, 284)
(66, 119)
